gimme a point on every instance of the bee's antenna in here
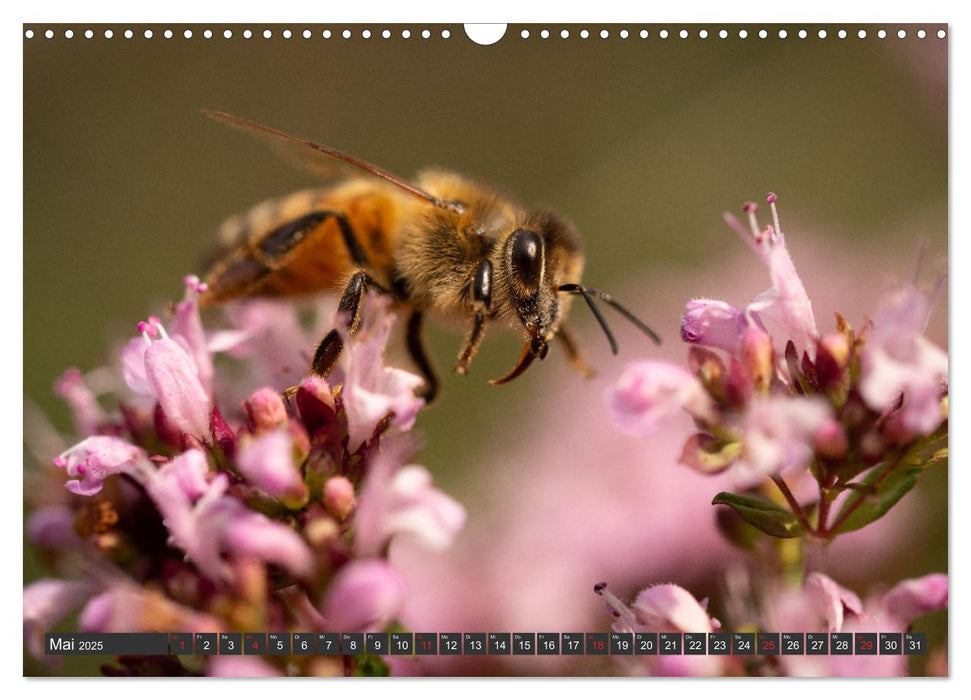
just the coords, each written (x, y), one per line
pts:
(587, 293)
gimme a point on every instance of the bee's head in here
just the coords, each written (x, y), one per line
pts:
(537, 258)
(542, 263)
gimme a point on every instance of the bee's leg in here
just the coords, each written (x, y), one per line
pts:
(482, 302)
(329, 350)
(573, 354)
(417, 352)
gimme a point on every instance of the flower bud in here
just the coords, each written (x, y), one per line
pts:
(315, 403)
(339, 498)
(265, 410)
(831, 441)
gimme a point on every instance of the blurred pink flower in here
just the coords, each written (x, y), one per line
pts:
(822, 605)
(403, 501)
(649, 391)
(778, 434)
(365, 595)
(666, 608)
(87, 414)
(267, 461)
(372, 390)
(96, 458)
(126, 607)
(898, 359)
(47, 601)
(241, 667)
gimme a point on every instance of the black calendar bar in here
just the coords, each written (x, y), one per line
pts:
(747, 644)
(94, 644)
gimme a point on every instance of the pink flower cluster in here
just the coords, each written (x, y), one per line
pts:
(772, 397)
(194, 514)
(858, 415)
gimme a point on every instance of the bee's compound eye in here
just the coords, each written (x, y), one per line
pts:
(526, 258)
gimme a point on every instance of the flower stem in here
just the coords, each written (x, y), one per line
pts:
(793, 504)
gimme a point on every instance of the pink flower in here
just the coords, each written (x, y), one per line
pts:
(364, 595)
(46, 602)
(250, 534)
(216, 523)
(187, 331)
(371, 390)
(240, 667)
(778, 434)
(666, 608)
(713, 323)
(268, 463)
(784, 308)
(95, 459)
(125, 607)
(175, 382)
(187, 473)
(87, 414)
(823, 605)
(914, 597)
(403, 502)
(897, 359)
(649, 391)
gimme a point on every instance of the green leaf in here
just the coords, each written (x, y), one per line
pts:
(874, 502)
(768, 517)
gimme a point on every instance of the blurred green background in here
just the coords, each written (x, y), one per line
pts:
(642, 143)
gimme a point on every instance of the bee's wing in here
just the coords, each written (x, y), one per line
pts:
(320, 160)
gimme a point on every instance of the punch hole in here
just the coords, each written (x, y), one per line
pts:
(763, 34)
(941, 34)
(841, 33)
(783, 33)
(921, 34)
(485, 34)
(703, 33)
(902, 34)
(69, 34)
(247, 34)
(405, 34)
(584, 34)
(882, 34)
(129, 33)
(29, 34)
(861, 33)
(545, 34)
(167, 33)
(644, 34)
(187, 33)
(624, 34)
(287, 34)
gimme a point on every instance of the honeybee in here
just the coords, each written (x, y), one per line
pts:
(446, 247)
